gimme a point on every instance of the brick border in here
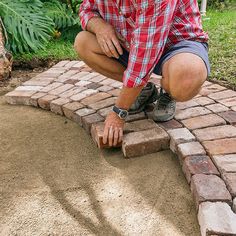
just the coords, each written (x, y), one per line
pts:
(202, 135)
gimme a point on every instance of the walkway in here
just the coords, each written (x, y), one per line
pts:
(203, 134)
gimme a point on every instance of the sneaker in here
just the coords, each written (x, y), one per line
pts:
(148, 95)
(165, 107)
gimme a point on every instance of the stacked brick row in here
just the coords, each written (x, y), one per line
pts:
(203, 133)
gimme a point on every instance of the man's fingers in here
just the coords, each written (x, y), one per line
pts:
(105, 135)
(120, 135)
(110, 136)
(117, 45)
(107, 50)
(112, 49)
(116, 136)
(120, 37)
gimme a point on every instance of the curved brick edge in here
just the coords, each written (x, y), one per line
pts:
(202, 135)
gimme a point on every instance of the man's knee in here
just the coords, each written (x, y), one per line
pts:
(186, 80)
(80, 43)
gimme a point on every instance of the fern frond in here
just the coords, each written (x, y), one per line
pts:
(27, 27)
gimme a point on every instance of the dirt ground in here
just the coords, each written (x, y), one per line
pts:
(54, 181)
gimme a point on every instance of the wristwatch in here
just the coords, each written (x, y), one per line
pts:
(120, 112)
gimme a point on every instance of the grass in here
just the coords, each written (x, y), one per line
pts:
(220, 25)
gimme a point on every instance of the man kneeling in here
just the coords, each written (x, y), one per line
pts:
(128, 40)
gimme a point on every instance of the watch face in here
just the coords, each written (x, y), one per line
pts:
(123, 114)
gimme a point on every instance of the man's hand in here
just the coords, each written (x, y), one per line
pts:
(109, 40)
(113, 132)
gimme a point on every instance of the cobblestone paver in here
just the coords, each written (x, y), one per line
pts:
(202, 134)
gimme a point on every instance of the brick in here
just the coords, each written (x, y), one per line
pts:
(139, 125)
(107, 82)
(225, 163)
(204, 189)
(105, 88)
(206, 83)
(171, 124)
(228, 102)
(48, 79)
(189, 149)
(89, 76)
(79, 75)
(56, 105)
(134, 117)
(87, 69)
(61, 89)
(220, 146)
(87, 121)
(71, 92)
(93, 86)
(191, 112)
(29, 88)
(203, 101)
(117, 84)
(34, 98)
(216, 218)
(95, 98)
(83, 83)
(70, 108)
(105, 111)
(198, 165)
(79, 64)
(62, 78)
(97, 135)
(218, 132)
(44, 102)
(230, 180)
(177, 136)
(234, 205)
(78, 97)
(205, 91)
(71, 81)
(36, 82)
(61, 63)
(51, 87)
(222, 95)
(81, 113)
(89, 92)
(229, 116)
(52, 74)
(185, 105)
(70, 64)
(114, 92)
(102, 104)
(145, 142)
(98, 79)
(19, 97)
(203, 121)
(57, 70)
(216, 108)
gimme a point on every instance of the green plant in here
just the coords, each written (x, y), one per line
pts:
(62, 14)
(27, 27)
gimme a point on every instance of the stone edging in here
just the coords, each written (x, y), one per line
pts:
(202, 135)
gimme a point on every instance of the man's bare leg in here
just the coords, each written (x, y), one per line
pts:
(90, 52)
(183, 76)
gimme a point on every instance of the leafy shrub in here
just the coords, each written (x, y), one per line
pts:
(29, 24)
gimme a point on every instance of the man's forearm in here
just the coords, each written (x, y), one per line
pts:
(93, 24)
(127, 97)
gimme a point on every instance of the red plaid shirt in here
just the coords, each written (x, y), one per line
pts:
(149, 27)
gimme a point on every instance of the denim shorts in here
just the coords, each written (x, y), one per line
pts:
(187, 46)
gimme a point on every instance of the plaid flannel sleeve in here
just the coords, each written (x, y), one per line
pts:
(152, 27)
(88, 10)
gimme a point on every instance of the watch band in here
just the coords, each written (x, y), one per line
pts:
(120, 112)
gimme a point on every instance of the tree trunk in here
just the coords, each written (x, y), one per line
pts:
(5, 57)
